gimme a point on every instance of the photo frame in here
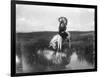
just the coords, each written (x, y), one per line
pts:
(32, 30)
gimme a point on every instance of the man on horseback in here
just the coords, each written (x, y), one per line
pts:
(62, 30)
(57, 41)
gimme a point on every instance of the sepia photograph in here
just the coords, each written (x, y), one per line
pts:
(54, 38)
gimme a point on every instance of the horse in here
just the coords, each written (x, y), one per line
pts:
(56, 42)
(58, 39)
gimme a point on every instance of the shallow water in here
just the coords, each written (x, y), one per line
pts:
(76, 64)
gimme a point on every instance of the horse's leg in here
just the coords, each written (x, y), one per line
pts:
(57, 48)
(60, 45)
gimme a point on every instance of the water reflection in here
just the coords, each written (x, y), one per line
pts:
(74, 64)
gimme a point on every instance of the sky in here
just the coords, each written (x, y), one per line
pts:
(33, 18)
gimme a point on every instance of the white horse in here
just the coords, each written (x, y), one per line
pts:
(57, 40)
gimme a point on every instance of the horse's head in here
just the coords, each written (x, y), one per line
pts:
(52, 45)
(55, 42)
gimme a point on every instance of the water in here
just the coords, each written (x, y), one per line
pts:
(75, 63)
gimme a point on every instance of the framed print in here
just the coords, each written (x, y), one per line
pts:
(52, 38)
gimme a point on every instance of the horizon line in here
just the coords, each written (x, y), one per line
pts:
(55, 31)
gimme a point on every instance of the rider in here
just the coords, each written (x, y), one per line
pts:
(62, 29)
